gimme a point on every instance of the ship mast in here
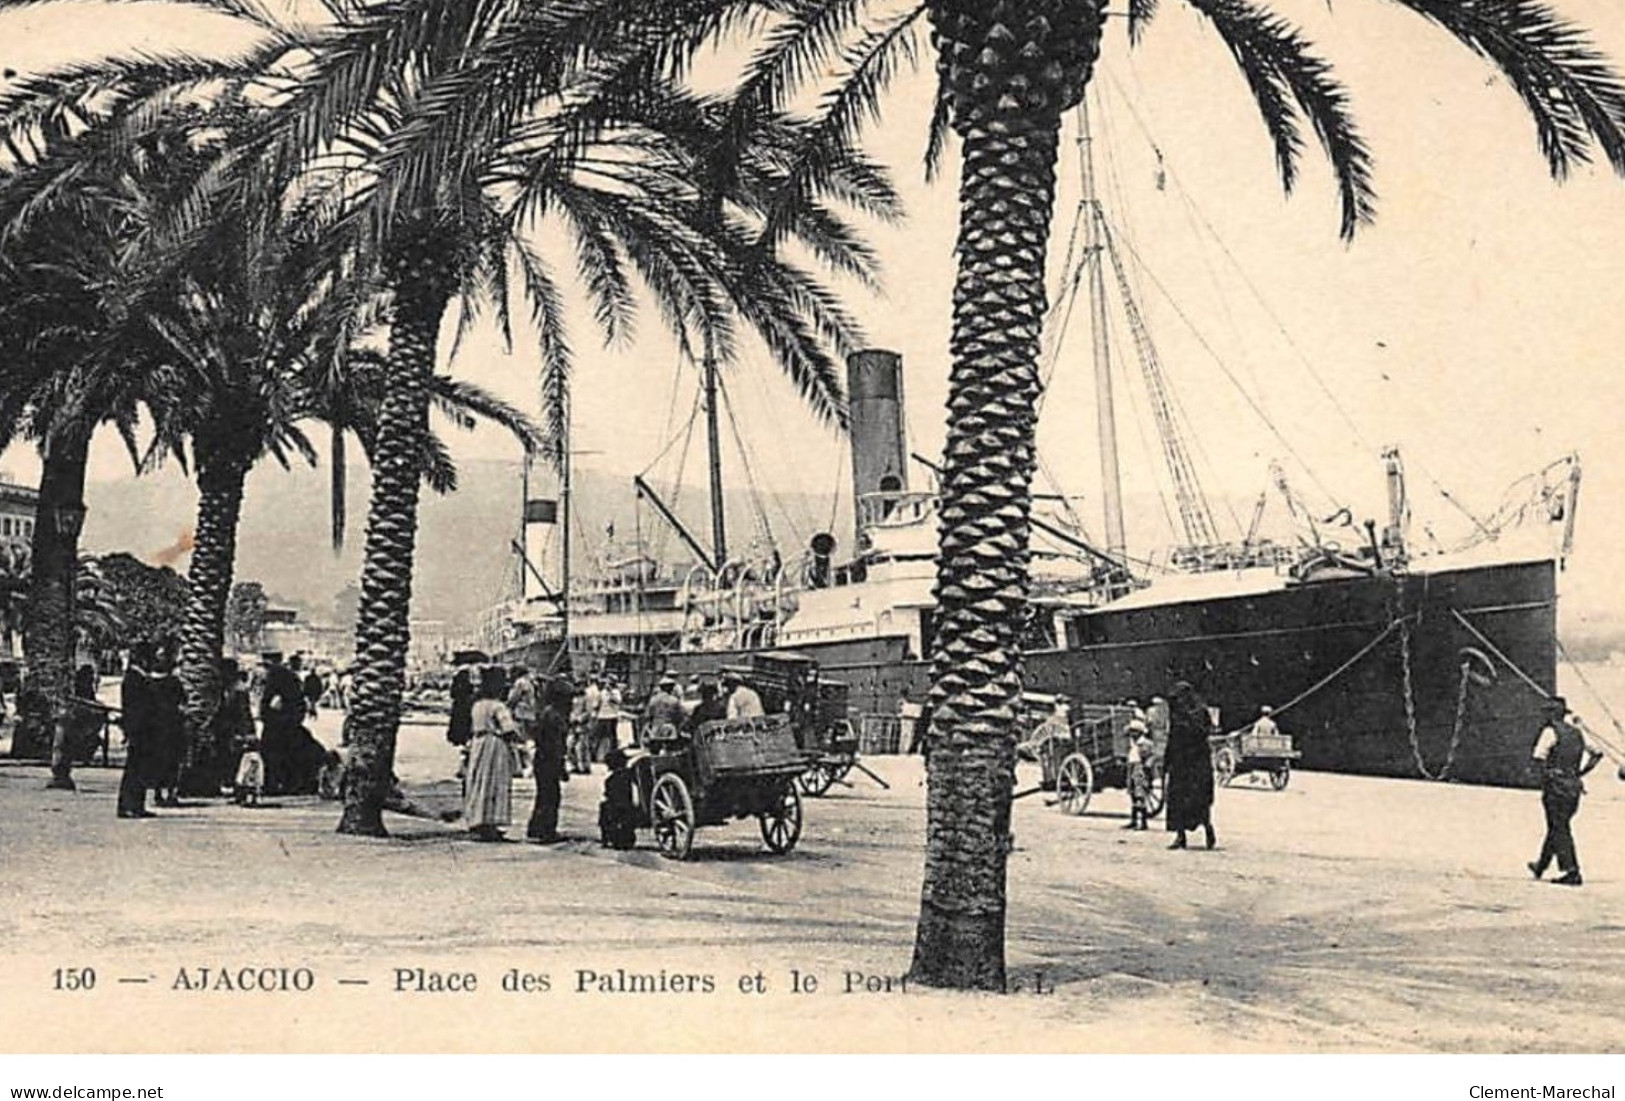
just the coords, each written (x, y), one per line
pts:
(1111, 478)
(524, 526)
(565, 501)
(713, 440)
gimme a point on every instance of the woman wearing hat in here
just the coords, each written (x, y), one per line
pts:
(488, 801)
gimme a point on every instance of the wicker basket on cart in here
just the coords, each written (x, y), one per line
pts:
(745, 745)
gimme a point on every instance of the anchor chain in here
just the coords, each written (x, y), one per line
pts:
(1410, 713)
(1410, 699)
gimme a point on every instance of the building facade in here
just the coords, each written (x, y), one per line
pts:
(18, 503)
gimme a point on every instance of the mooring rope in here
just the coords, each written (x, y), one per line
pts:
(1614, 752)
(1335, 673)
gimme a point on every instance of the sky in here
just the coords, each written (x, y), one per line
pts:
(1475, 324)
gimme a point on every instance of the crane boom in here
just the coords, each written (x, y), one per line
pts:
(646, 491)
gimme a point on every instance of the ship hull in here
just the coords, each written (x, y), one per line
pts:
(1330, 656)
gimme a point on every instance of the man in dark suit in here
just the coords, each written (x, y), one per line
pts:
(282, 712)
(135, 704)
(552, 735)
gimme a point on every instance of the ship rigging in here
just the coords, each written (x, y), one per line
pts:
(1389, 660)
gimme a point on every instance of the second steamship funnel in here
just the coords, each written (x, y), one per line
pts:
(874, 382)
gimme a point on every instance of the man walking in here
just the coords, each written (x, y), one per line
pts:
(314, 687)
(1565, 754)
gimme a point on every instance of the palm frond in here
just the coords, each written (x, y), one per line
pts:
(466, 404)
(1286, 79)
(237, 9)
(873, 63)
(1140, 12)
(439, 471)
(598, 261)
(1572, 91)
(799, 51)
(938, 130)
(547, 318)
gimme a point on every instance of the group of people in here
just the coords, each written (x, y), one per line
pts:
(591, 721)
(1180, 727)
(1564, 753)
(498, 714)
(154, 730)
(279, 756)
(495, 714)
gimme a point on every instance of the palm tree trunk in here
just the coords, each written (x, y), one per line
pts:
(48, 623)
(1011, 68)
(422, 280)
(203, 634)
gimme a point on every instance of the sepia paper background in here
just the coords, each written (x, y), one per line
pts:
(1476, 323)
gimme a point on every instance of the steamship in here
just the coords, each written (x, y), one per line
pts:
(1377, 658)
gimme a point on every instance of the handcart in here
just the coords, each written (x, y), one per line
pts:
(1249, 752)
(1091, 756)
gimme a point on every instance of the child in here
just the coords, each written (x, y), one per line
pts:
(250, 776)
(330, 780)
(1141, 752)
(616, 828)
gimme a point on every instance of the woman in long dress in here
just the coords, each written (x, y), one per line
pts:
(1188, 762)
(488, 800)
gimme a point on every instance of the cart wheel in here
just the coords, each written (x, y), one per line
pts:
(1280, 777)
(1224, 766)
(1158, 793)
(781, 823)
(1075, 784)
(671, 816)
(818, 779)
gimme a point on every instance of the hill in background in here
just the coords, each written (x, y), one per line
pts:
(465, 560)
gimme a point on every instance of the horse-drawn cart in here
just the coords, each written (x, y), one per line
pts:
(730, 769)
(1093, 755)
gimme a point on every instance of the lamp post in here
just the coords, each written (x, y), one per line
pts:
(67, 518)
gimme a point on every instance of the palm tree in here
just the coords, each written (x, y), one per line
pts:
(213, 346)
(458, 99)
(1008, 71)
(72, 195)
(457, 165)
(259, 346)
(226, 345)
(66, 375)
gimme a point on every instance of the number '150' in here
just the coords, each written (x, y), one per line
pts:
(75, 978)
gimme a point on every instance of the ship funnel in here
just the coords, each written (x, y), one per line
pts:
(822, 549)
(874, 383)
